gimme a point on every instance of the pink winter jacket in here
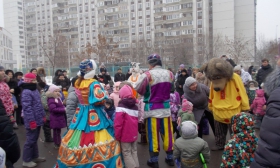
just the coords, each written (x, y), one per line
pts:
(126, 121)
(259, 102)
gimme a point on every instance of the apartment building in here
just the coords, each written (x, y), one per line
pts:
(14, 23)
(236, 19)
(6, 49)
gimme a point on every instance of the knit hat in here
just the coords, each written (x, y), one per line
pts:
(188, 129)
(189, 81)
(126, 92)
(2, 68)
(29, 77)
(186, 105)
(52, 88)
(182, 66)
(237, 68)
(154, 60)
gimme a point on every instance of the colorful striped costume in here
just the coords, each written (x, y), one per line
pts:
(90, 141)
(155, 85)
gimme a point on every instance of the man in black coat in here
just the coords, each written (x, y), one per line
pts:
(104, 77)
(264, 71)
(119, 76)
(8, 139)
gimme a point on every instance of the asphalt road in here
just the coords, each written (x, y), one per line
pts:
(47, 150)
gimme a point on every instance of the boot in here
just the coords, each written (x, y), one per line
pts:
(143, 139)
(29, 164)
(47, 132)
(153, 164)
(39, 159)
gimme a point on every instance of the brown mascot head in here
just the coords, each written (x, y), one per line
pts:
(219, 72)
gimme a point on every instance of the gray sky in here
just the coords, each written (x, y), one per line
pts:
(268, 16)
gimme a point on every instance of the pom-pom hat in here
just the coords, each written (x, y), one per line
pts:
(29, 77)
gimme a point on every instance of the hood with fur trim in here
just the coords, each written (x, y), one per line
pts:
(41, 71)
(52, 95)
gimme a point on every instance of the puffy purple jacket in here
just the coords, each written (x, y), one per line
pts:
(31, 105)
(57, 112)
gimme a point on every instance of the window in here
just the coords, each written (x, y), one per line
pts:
(199, 22)
(199, 13)
(199, 4)
(140, 29)
(133, 22)
(148, 28)
(199, 31)
(140, 13)
(140, 6)
(147, 4)
(133, 30)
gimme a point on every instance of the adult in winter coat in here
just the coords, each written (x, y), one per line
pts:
(104, 77)
(119, 76)
(126, 126)
(8, 139)
(187, 149)
(72, 101)
(57, 113)
(41, 75)
(268, 150)
(57, 72)
(181, 81)
(34, 117)
(198, 94)
(265, 70)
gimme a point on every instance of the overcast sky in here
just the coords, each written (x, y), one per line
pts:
(268, 16)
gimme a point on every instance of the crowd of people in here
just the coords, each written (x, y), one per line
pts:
(104, 117)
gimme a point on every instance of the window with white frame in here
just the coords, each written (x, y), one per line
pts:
(133, 22)
(147, 4)
(140, 21)
(148, 12)
(199, 22)
(140, 29)
(140, 13)
(140, 6)
(199, 13)
(148, 28)
(199, 4)
(133, 30)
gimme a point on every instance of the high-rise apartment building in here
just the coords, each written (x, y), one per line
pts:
(14, 23)
(236, 19)
(6, 49)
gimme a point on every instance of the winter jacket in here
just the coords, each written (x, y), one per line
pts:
(57, 111)
(259, 102)
(119, 77)
(8, 138)
(268, 151)
(44, 101)
(72, 102)
(185, 116)
(126, 121)
(188, 150)
(104, 78)
(246, 77)
(180, 82)
(199, 99)
(6, 98)
(175, 102)
(111, 111)
(156, 85)
(63, 83)
(262, 73)
(31, 105)
(240, 149)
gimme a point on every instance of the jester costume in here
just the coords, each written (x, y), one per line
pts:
(90, 141)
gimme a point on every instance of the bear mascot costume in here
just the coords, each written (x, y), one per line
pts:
(227, 97)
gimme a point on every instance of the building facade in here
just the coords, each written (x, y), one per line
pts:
(234, 21)
(14, 22)
(6, 49)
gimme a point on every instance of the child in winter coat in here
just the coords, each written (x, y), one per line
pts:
(251, 90)
(57, 113)
(126, 126)
(34, 118)
(115, 94)
(44, 100)
(186, 113)
(240, 149)
(110, 109)
(258, 107)
(187, 149)
(174, 108)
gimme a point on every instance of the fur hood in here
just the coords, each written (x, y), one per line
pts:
(272, 81)
(41, 70)
(52, 95)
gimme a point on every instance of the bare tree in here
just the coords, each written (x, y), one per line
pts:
(54, 47)
(104, 49)
(140, 50)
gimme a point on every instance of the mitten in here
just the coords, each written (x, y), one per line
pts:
(33, 125)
